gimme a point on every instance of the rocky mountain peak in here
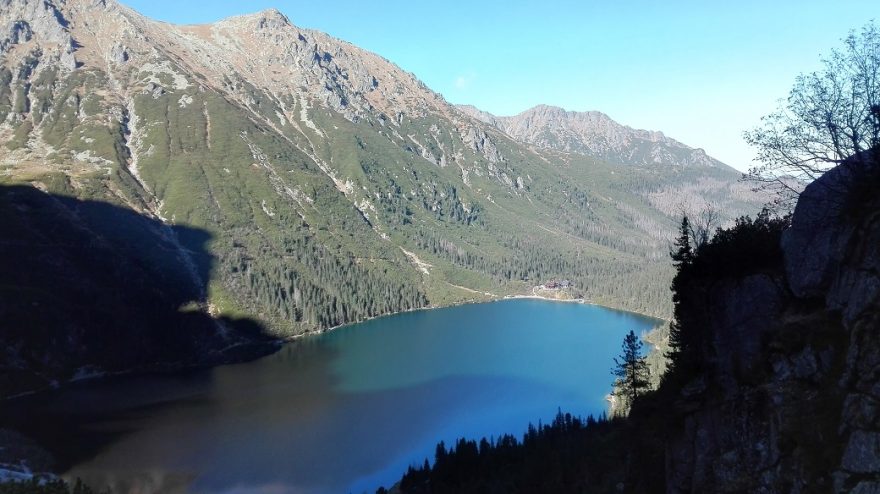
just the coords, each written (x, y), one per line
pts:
(476, 113)
(559, 117)
(263, 50)
(271, 19)
(594, 134)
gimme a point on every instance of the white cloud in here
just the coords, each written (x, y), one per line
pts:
(464, 81)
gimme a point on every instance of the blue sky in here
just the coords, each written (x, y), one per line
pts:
(700, 71)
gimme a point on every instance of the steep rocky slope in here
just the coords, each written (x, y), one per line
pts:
(786, 397)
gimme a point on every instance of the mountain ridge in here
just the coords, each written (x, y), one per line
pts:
(594, 134)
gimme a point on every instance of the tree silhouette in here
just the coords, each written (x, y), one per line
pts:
(683, 251)
(631, 371)
(682, 255)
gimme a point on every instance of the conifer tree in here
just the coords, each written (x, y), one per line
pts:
(682, 256)
(683, 253)
(631, 370)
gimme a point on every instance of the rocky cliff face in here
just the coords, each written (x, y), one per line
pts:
(787, 398)
(595, 134)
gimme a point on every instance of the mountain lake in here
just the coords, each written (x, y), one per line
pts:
(345, 411)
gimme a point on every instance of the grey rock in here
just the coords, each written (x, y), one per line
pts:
(820, 260)
(155, 90)
(272, 19)
(481, 144)
(18, 31)
(862, 453)
(805, 365)
(745, 310)
(119, 54)
(858, 284)
(867, 487)
(860, 411)
(25, 20)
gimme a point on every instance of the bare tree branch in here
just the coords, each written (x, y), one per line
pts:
(829, 116)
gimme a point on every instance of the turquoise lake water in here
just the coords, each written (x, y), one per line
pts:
(346, 411)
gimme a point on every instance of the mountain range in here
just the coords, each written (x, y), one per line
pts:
(300, 183)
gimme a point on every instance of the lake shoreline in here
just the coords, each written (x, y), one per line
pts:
(493, 299)
(278, 343)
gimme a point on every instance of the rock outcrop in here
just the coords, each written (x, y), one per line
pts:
(787, 397)
(23, 20)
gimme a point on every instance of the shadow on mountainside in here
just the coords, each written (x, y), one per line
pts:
(89, 287)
